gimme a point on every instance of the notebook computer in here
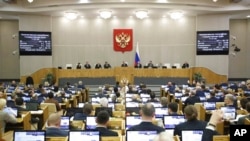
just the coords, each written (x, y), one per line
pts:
(11, 111)
(131, 121)
(140, 135)
(171, 120)
(30, 135)
(32, 106)
(132, 111)
(84, 136)
(132, 104)
(191, 135)
(65, 123)
(90, 122)
(209, 106)
(229, 113)
(160, 112)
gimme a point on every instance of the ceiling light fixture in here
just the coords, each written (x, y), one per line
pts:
(105, 14)
(71, 15)
(215, 0)
(176, 14)
(30, 1)
(141, 14)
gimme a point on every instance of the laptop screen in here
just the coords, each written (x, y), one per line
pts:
(229, 112)
(132, 104)
(140, 135)
(132, 120)
(11, 111)
(65, 122)
(209, 105)
(170, 121)
(191, 135)
(156, 104)
(160, 112)
(80, 105)
(84, 136)
(29, 135)
(90, 122)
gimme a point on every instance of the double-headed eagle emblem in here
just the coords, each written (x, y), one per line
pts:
(122, 39)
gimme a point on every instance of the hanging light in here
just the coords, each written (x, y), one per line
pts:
(71, 15)
(105, 14)
(141, 14)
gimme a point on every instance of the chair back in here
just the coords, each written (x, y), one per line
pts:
(115, 138)
(56, 138)
(51, 107)
(220, 138)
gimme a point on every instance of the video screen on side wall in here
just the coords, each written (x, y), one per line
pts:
(35, 43)
(212, 42)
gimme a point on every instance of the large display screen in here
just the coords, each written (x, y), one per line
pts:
(35, 43)
(212, 42)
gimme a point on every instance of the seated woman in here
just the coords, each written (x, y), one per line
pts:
(4, 116)
(87, 110)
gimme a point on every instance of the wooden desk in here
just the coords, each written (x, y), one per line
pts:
(8, 136)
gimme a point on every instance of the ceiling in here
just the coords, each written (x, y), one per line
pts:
(11, 9)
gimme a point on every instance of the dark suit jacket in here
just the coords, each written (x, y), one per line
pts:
(147, 126)
(189, 125)
(58, 108)
(106, 132)
(55, 132)
(241, 120)
(87, 66)
(208, 135)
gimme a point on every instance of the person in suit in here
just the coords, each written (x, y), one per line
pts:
(185, 65)
(212, 97)
(138, 65)
(102, 119)
(52, 100)
(5, 117)
(87, 65)
(210, 130)
(87, 110)
(106, 65)
(152, 98)
(192, 99)
(241, 120)
(147, 114)
(79, 66)
(230, 101)
(164, 102)
(20, 104)
(53, 129)
(150, 64)
(191, 122)
(173, 108)
(124, 64)
(98, 66)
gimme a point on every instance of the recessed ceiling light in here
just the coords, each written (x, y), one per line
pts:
(215, 0)
(248, 16)
(122, 0)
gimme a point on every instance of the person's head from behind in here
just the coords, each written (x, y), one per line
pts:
(102, 118)
(54, 120)
(164, 136)
(164, 101)
(152, 95)
(172, 107)
(190, 112)
(19, 101)
(87, 108)
(2, 103)
(243, 102)
(50, 95)
(147, 111)
(229, 99)
(248, 107)
(104, 102)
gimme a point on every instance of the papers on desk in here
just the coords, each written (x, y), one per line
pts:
(37, 112)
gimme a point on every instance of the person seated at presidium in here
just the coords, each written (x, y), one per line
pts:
(52, 100)
(53, 129)
(102, 119)
(185, 65)
(87, 110)
(124, 64)
(79, 66)
(150, 64)
(106, 65)
(87, 65)
(5, 117)
(147, 115)
(138, 65)
(98, 66)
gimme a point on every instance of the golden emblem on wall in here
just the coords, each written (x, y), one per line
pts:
(122, 39)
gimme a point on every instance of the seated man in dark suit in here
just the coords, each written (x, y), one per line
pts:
(192, 99)
(98, 66)
(52, 100)
(192, 122)
(138, 65)
(87, 110)
(210, 130)
(20, 104)
(185, 65)
(79, 66)
(173, 108)
(53, 129)
(106, 65)
(152, 98)
(147, 115)
(87, 65)
(124, 64)
(102, 122)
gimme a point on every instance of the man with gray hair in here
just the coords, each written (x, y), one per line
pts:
(147, 115)
(230, 101)
(53, 129)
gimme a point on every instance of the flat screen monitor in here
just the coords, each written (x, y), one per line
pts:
(65, 122)
(132, 111)
(191, 135)
(30, 135)
(156, 104)
(90, 122)
(171, 120)
(132, 120)
(209, 106)
(212, 42)
(35, 43)
(132, 104)
(84, 136)
(140, 135)
(229, 113)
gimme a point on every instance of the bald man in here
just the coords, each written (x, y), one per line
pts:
(53, 129)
